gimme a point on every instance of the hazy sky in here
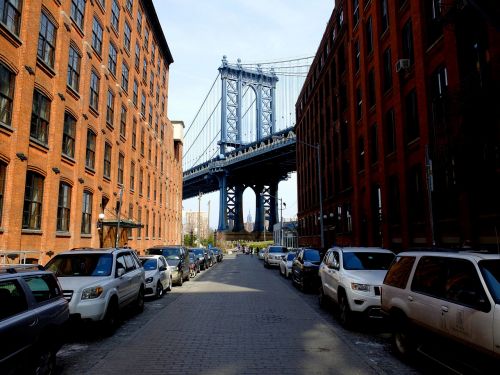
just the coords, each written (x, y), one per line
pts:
(200, 32)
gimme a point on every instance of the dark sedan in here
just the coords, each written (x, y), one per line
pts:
(305, 269)
(194, 265)
(202, 257)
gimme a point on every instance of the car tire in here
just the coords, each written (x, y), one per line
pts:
(159, 290)
(111, 318)
(345, 313)
(139, 302)
(45, 361)
(403, 342)
(192, 273)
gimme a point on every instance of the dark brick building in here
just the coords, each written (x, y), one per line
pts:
(83, 113)
(403, 98)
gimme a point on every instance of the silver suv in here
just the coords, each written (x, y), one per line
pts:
(452, 295)
(98, 283)
(274, 254)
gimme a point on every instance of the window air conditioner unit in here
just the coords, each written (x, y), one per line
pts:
(402, 64)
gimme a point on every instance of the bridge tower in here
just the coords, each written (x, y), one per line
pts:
(235, 78)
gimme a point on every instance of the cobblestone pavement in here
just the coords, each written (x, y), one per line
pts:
(236, 318)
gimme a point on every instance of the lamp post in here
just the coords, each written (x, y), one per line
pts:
(320, 189)
(101, 230)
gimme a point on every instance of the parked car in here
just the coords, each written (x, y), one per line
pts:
(157, 274)
(273, 255)
(194, 265)
(178, 261)
(261, 253)
(202, 257)
(33, 314)
(98, 283)
(351, 277)
(455, 296)
(305, 268)
(218, 254)
(286, 264)
(211, 257)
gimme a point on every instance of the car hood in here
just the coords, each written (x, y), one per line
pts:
(77, 283)
(371, 277)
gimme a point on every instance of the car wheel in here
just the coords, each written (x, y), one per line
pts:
(403, 342)
(110, 321)
(322, 298)
(159, 290)
(345, 313)
(45, 362)
(192, 273)
(139, 302)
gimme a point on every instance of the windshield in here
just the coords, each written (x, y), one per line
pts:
(277, 249)
(192, 257)
(491, 273)
(290, 256)
(367, 261)
(169, 253)
(198, 252)
(173, 262)
(149, 264)
(68, 265)
(312, 256)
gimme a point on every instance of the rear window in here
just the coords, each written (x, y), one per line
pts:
(278, 249)
(169, 253)
(399, 272)
(290, 256)
(312, 256)
(68, 265)
(43, 287)
(12, 299)
(367, 261)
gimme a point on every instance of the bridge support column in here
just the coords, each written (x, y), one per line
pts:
(238, 208)
(273, 205)
(222, 202)
(259, 210)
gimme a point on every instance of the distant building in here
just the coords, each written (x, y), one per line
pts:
(249, 224)
(194, 223)
(288, 237)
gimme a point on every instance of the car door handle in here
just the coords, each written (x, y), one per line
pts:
(410, 298)
(34, 322)
(444, 309)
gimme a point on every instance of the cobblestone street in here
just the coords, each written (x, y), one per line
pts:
(236, 318)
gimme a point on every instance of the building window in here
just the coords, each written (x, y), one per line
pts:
(162, 132)
(40, 117)
(94, 90)
(411, 110)
(87, 212)
(7, 80)
(33, 199)
(147, 224)
(156, 124)
(137, 56)
(434, 19)
(90, 150)
(144, 70)
(143, 104)
(151, 83)
(123, 121)
(3, 174)
(149, 186)
(139, 218)
(115, 14)
(110, 108)
(135, 92)
(97, 36)
(141, 177)
(113, 56)
(371, 89)
(437, 94)
(121, 167)
(139, 21)
(355, 12)
(154, 225)
(125, 77)
(102, 3)
(373, 144)
(107, 160)
(142, 141)
(369, 35)
(357, 56)
(69, 134)
(64, 207)
(407, 42)
(10, 13)
(149, 148)
(384, 16)
(359, 104)
(74, 68)
(387, 70)
(153, 53)
(132, 175)
(361, 154)
(46, 41)
(134, 132)
(150, 117)
(129, 5)
(127, 32)
(131, 217)
(146, 39)
(157, 94)
(390, 132)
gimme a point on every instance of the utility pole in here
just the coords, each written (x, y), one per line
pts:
(119, 212)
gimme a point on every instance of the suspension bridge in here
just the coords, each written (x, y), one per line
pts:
(243, 136)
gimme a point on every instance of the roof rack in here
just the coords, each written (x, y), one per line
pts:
(16, 268)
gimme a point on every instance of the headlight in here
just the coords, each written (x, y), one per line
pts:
(360, 287)
(91, 293)
(149, 280)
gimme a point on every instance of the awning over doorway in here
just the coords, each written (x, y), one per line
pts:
(124, 223)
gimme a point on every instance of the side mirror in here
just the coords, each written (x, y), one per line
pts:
(120, 271)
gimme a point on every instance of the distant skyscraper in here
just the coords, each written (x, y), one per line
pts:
(249, 223)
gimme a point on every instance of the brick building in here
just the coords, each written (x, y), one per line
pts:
(83, 119)
(402, 98)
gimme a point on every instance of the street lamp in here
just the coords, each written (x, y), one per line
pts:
(320, 189)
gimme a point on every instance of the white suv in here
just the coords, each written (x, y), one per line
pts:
(274, 254)
(98, 283)
(452, 295)
(351, 277)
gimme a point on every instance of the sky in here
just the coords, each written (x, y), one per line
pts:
(200, 32)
